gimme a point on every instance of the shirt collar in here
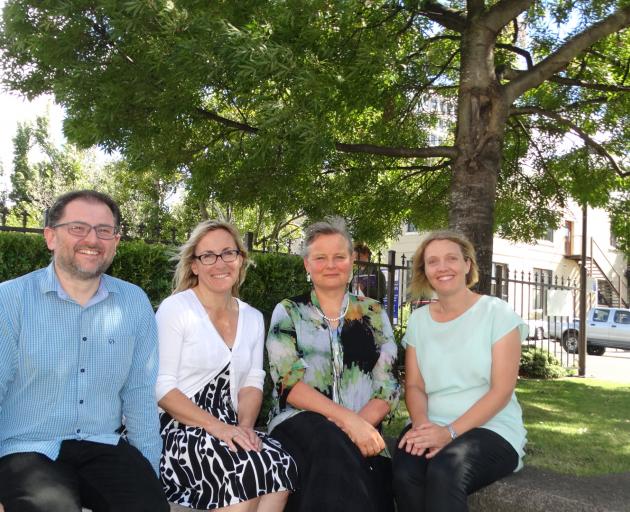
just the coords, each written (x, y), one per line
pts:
(50, 283)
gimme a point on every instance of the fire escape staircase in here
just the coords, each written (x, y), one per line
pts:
(611, 291)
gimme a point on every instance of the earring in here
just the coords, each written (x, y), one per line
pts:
(308, 277)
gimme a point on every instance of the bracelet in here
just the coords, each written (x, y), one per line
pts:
(451, 431)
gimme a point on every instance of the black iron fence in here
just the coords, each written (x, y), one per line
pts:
(548, 304)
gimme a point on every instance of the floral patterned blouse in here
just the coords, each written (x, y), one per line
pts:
(350, 364)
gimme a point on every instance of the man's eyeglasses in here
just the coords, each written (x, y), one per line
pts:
(82, 229)
(209, 258)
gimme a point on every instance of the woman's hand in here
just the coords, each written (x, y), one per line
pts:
(253, 437)
(235, 435)
(367, 439)
(425, 439)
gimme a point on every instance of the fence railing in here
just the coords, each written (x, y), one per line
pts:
(547, 303)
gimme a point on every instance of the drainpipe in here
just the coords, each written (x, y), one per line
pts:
(582, 332)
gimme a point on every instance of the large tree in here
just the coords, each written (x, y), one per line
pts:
(321, 106)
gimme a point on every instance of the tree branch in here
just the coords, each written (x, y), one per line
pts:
(448, 18)
(523, 53)
(588, 140)
(559, 59)
(516, 31)
(426, 86)
(419, 169)
(514, 74)
(227, 122)
(429, 152)
(589, 85)
(542, 160)
(435, 151)
(504, 11)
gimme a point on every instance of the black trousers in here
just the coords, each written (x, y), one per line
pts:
(442, 484)
(102, 477)
(333, 475)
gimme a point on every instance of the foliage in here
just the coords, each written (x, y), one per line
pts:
(271, 277)
(620, 220)
(340, 106)
(537, 363)
(21, 253)
(42, 171)
(146, 265)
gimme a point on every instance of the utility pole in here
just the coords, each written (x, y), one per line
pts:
(582, 331)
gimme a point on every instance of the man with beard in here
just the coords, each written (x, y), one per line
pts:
(78, 353)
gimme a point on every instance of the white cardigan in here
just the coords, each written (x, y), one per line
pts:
(192, 352)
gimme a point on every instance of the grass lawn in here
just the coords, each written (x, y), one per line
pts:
(574, 426)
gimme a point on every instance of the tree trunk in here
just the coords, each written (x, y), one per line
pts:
(482, 116)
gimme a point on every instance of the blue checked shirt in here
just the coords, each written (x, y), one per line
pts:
(73, 372)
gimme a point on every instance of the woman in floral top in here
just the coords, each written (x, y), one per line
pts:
(331, 356)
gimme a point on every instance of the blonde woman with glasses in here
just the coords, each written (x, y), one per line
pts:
(210, 384)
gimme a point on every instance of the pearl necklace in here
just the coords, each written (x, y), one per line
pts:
(331, 320)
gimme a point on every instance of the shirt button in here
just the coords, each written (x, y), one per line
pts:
(84, 338)
(82, 370)
(78, 431)
(80, 401)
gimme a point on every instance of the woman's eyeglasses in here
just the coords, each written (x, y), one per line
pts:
(210, 258)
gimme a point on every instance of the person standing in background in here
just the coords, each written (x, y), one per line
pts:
(369, 280)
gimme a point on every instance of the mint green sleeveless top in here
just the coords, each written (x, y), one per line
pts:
(455, 359)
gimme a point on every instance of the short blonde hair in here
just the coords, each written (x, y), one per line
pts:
(420, 286)
(184, 277)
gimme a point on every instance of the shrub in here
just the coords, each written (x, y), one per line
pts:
(21, 253)
(272, 278)
(146, 265)
(537, 363)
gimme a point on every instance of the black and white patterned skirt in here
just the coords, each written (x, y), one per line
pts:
(200, 471)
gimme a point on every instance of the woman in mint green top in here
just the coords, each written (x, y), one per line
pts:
(461, 363)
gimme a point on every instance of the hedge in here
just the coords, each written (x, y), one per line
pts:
(271, 278)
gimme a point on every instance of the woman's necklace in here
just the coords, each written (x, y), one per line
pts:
(333, 320)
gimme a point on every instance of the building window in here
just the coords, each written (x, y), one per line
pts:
(500, 277)
(410, 228)
(548, 235)
(542, 281)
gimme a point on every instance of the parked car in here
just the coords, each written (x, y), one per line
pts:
(605, 328)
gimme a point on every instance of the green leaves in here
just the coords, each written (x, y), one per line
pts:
(246, 102)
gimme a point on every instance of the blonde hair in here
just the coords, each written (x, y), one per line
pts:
(184, 277)
(420, 286)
